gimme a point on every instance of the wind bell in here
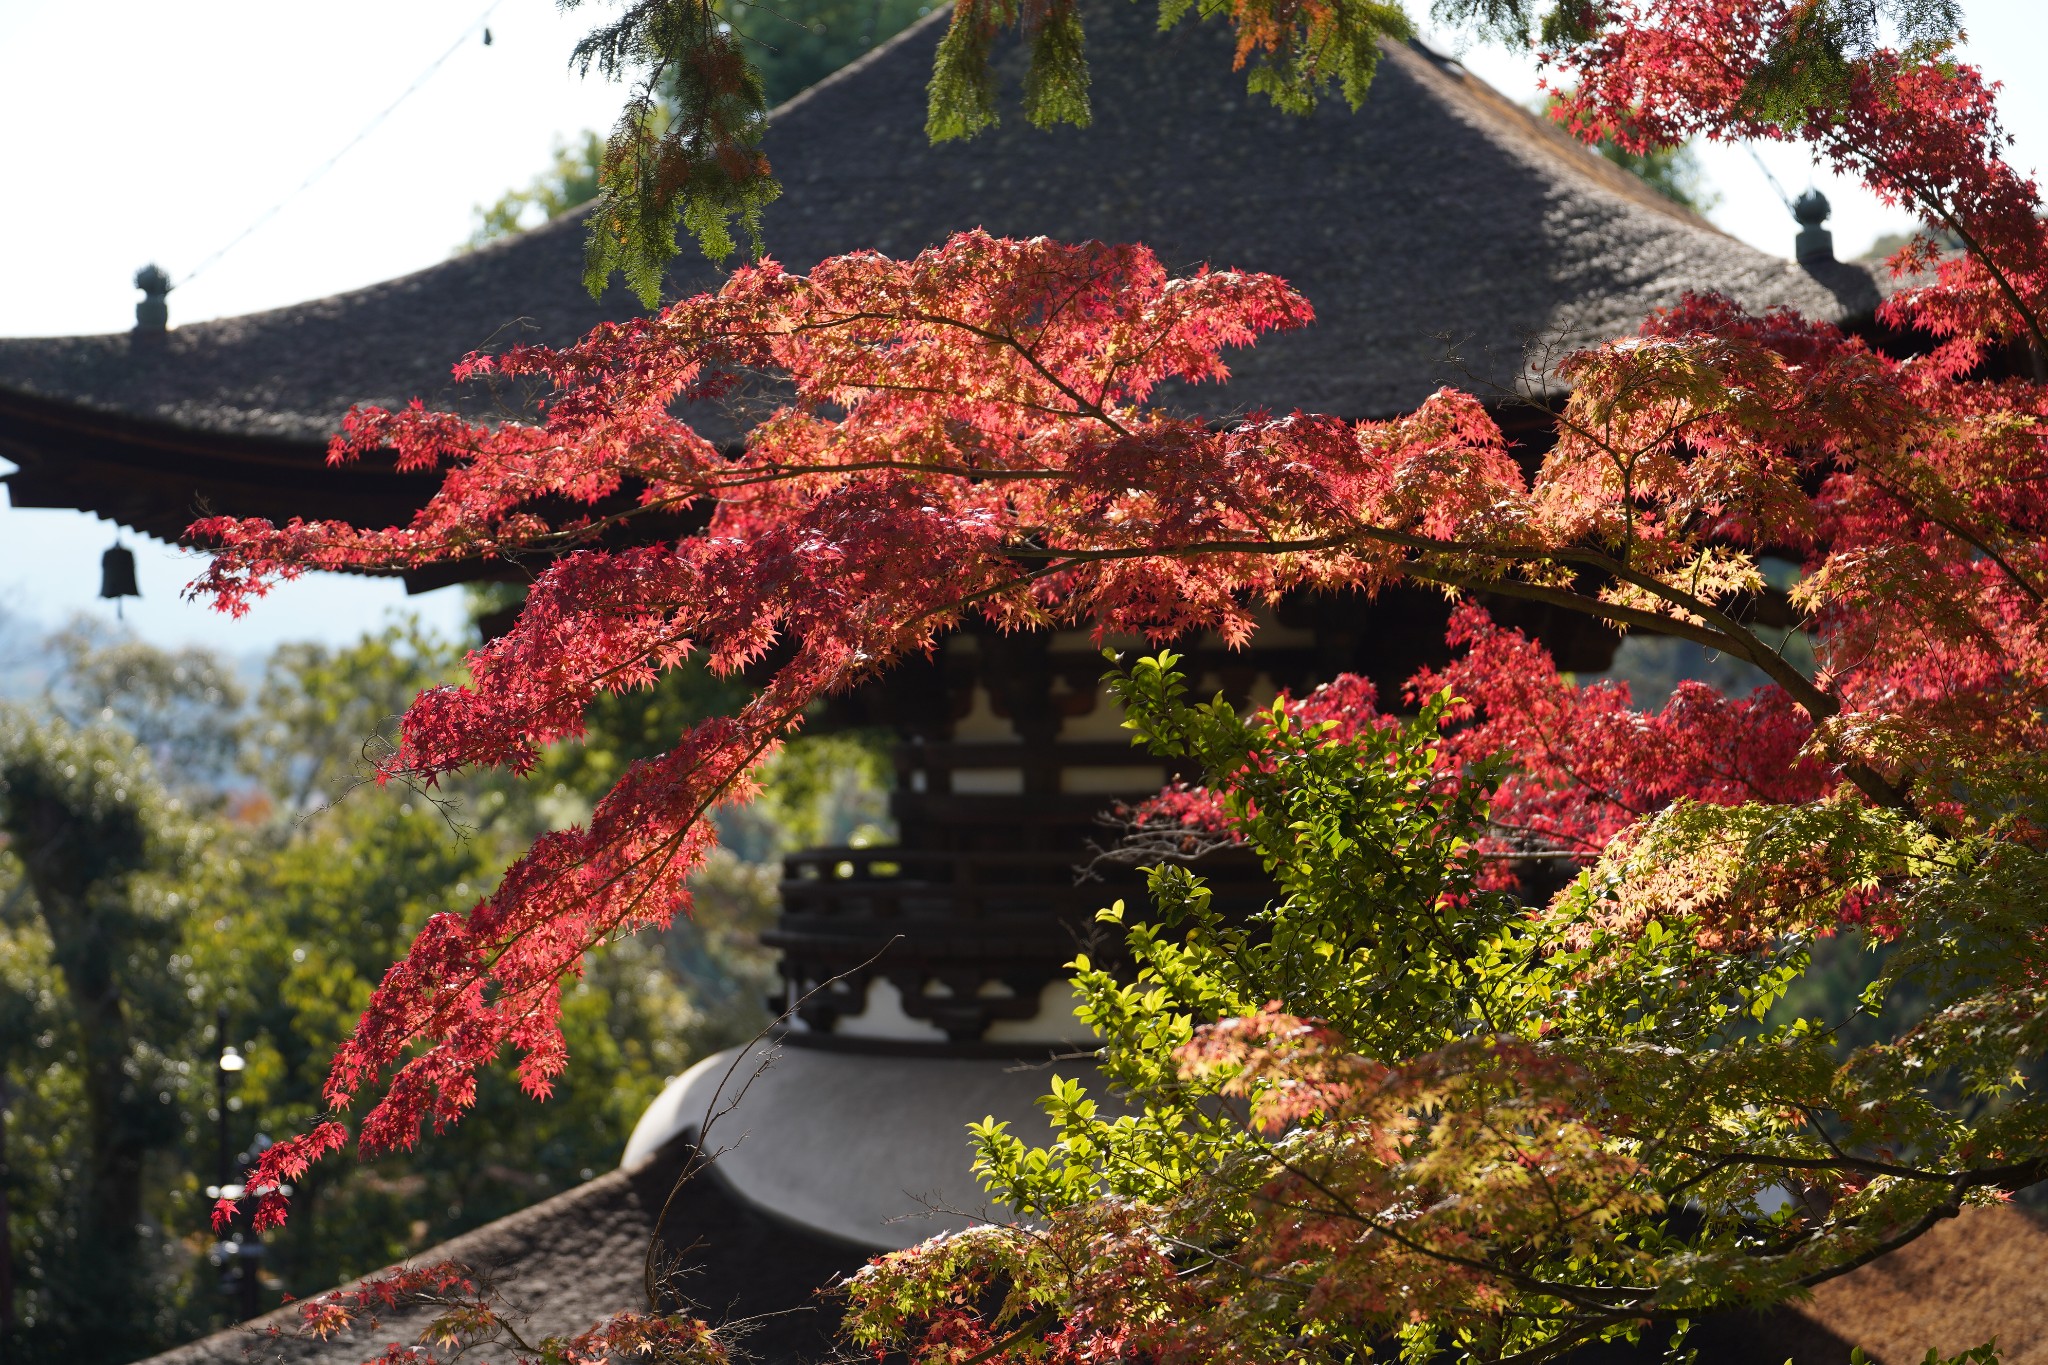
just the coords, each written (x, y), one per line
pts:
(117, 575)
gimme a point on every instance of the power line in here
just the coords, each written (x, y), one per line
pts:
(324, 167)
(1776, 188)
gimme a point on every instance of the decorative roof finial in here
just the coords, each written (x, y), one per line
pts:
(1814, 243)
(152, 314)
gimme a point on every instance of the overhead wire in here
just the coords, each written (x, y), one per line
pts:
(1776, 188)
(320, 171)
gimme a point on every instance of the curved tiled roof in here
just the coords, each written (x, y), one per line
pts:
(572, 1261)
(1441, 210)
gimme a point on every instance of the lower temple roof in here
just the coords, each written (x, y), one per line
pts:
(577, 1258)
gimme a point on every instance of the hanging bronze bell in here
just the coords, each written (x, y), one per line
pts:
(117, 573)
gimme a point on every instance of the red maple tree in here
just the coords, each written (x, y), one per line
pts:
(971, 433)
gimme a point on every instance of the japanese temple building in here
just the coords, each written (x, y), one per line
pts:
(1443, 234)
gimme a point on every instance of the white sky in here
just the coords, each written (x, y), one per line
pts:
(143, 132)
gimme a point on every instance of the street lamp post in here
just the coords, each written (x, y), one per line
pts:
(231, 1061)
(241, 1252)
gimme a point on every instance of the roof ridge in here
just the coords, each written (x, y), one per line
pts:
(853, 70)
(1545, 136)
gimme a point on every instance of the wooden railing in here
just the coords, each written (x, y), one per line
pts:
(958, 888)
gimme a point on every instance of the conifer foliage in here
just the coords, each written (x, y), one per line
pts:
(1407, 1105)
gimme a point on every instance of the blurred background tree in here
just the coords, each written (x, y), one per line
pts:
(96, 1023)
(174, 852)
(1674, 172)
(569, 180)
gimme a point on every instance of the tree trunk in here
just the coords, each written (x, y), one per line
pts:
(81, 897)
(6, 1229)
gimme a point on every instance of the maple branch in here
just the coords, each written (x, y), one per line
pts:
(1705, 1173)
(1577, 1334)
(2011, 1176)
(537, 975)
(1082, 405)
(1818, 704)
(1732, 637)
(970, 473)
(1042, 1319)
(1611, 611)
(1025, 405)
(1841, 1161)
(1344, 1208)
(1731, 634)
(1961, 532)
(2028, 319)
(1910, 1233)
